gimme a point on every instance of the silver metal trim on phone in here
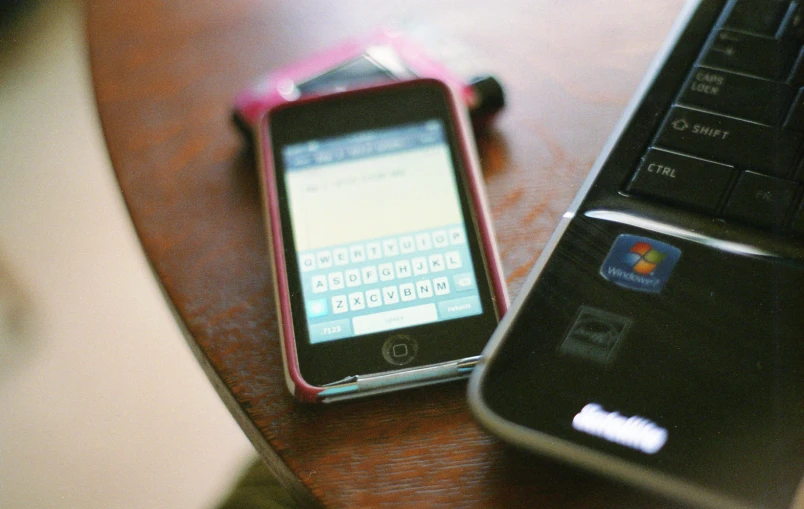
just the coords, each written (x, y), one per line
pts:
(559, 448)
(359, 386)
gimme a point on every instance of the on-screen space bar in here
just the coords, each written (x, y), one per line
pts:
(395, 319)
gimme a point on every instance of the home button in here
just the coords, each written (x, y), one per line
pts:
(400, 349)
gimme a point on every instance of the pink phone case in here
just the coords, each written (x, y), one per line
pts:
(296, 384)
(401, 55)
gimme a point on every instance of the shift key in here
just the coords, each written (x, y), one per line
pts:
(759, 147)
(681, 179)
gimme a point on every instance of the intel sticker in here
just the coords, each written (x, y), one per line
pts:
(595, 335)
(640, 263)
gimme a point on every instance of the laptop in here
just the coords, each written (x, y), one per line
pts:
(659, 339)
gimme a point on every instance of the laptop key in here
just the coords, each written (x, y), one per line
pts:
(758, 55)
(747, 97)
(761, 200)
(795, 119)
(730, 140)
(792, 27)
(759, 17)
(681, 179)
(797, 225)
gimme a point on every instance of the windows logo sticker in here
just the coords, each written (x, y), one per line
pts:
(640, 263)
(644, 258)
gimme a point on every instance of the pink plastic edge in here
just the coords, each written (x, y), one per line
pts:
(296, 384)
(293, 379)
(255, 100)
(480, 201)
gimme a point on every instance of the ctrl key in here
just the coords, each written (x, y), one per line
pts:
(681, 179)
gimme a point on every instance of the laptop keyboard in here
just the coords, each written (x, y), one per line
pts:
(730, 145)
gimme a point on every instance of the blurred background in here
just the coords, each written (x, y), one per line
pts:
(101, 401)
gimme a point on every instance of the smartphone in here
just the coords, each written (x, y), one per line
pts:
(385, 268)
(386, 54)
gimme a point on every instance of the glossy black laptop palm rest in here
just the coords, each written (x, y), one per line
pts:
(659, 340)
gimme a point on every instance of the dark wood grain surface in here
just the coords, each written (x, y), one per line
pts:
(165, 73)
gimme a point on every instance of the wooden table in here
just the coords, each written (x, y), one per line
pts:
(165, 73)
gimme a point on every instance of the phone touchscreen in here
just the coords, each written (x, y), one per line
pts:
(379, 232)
